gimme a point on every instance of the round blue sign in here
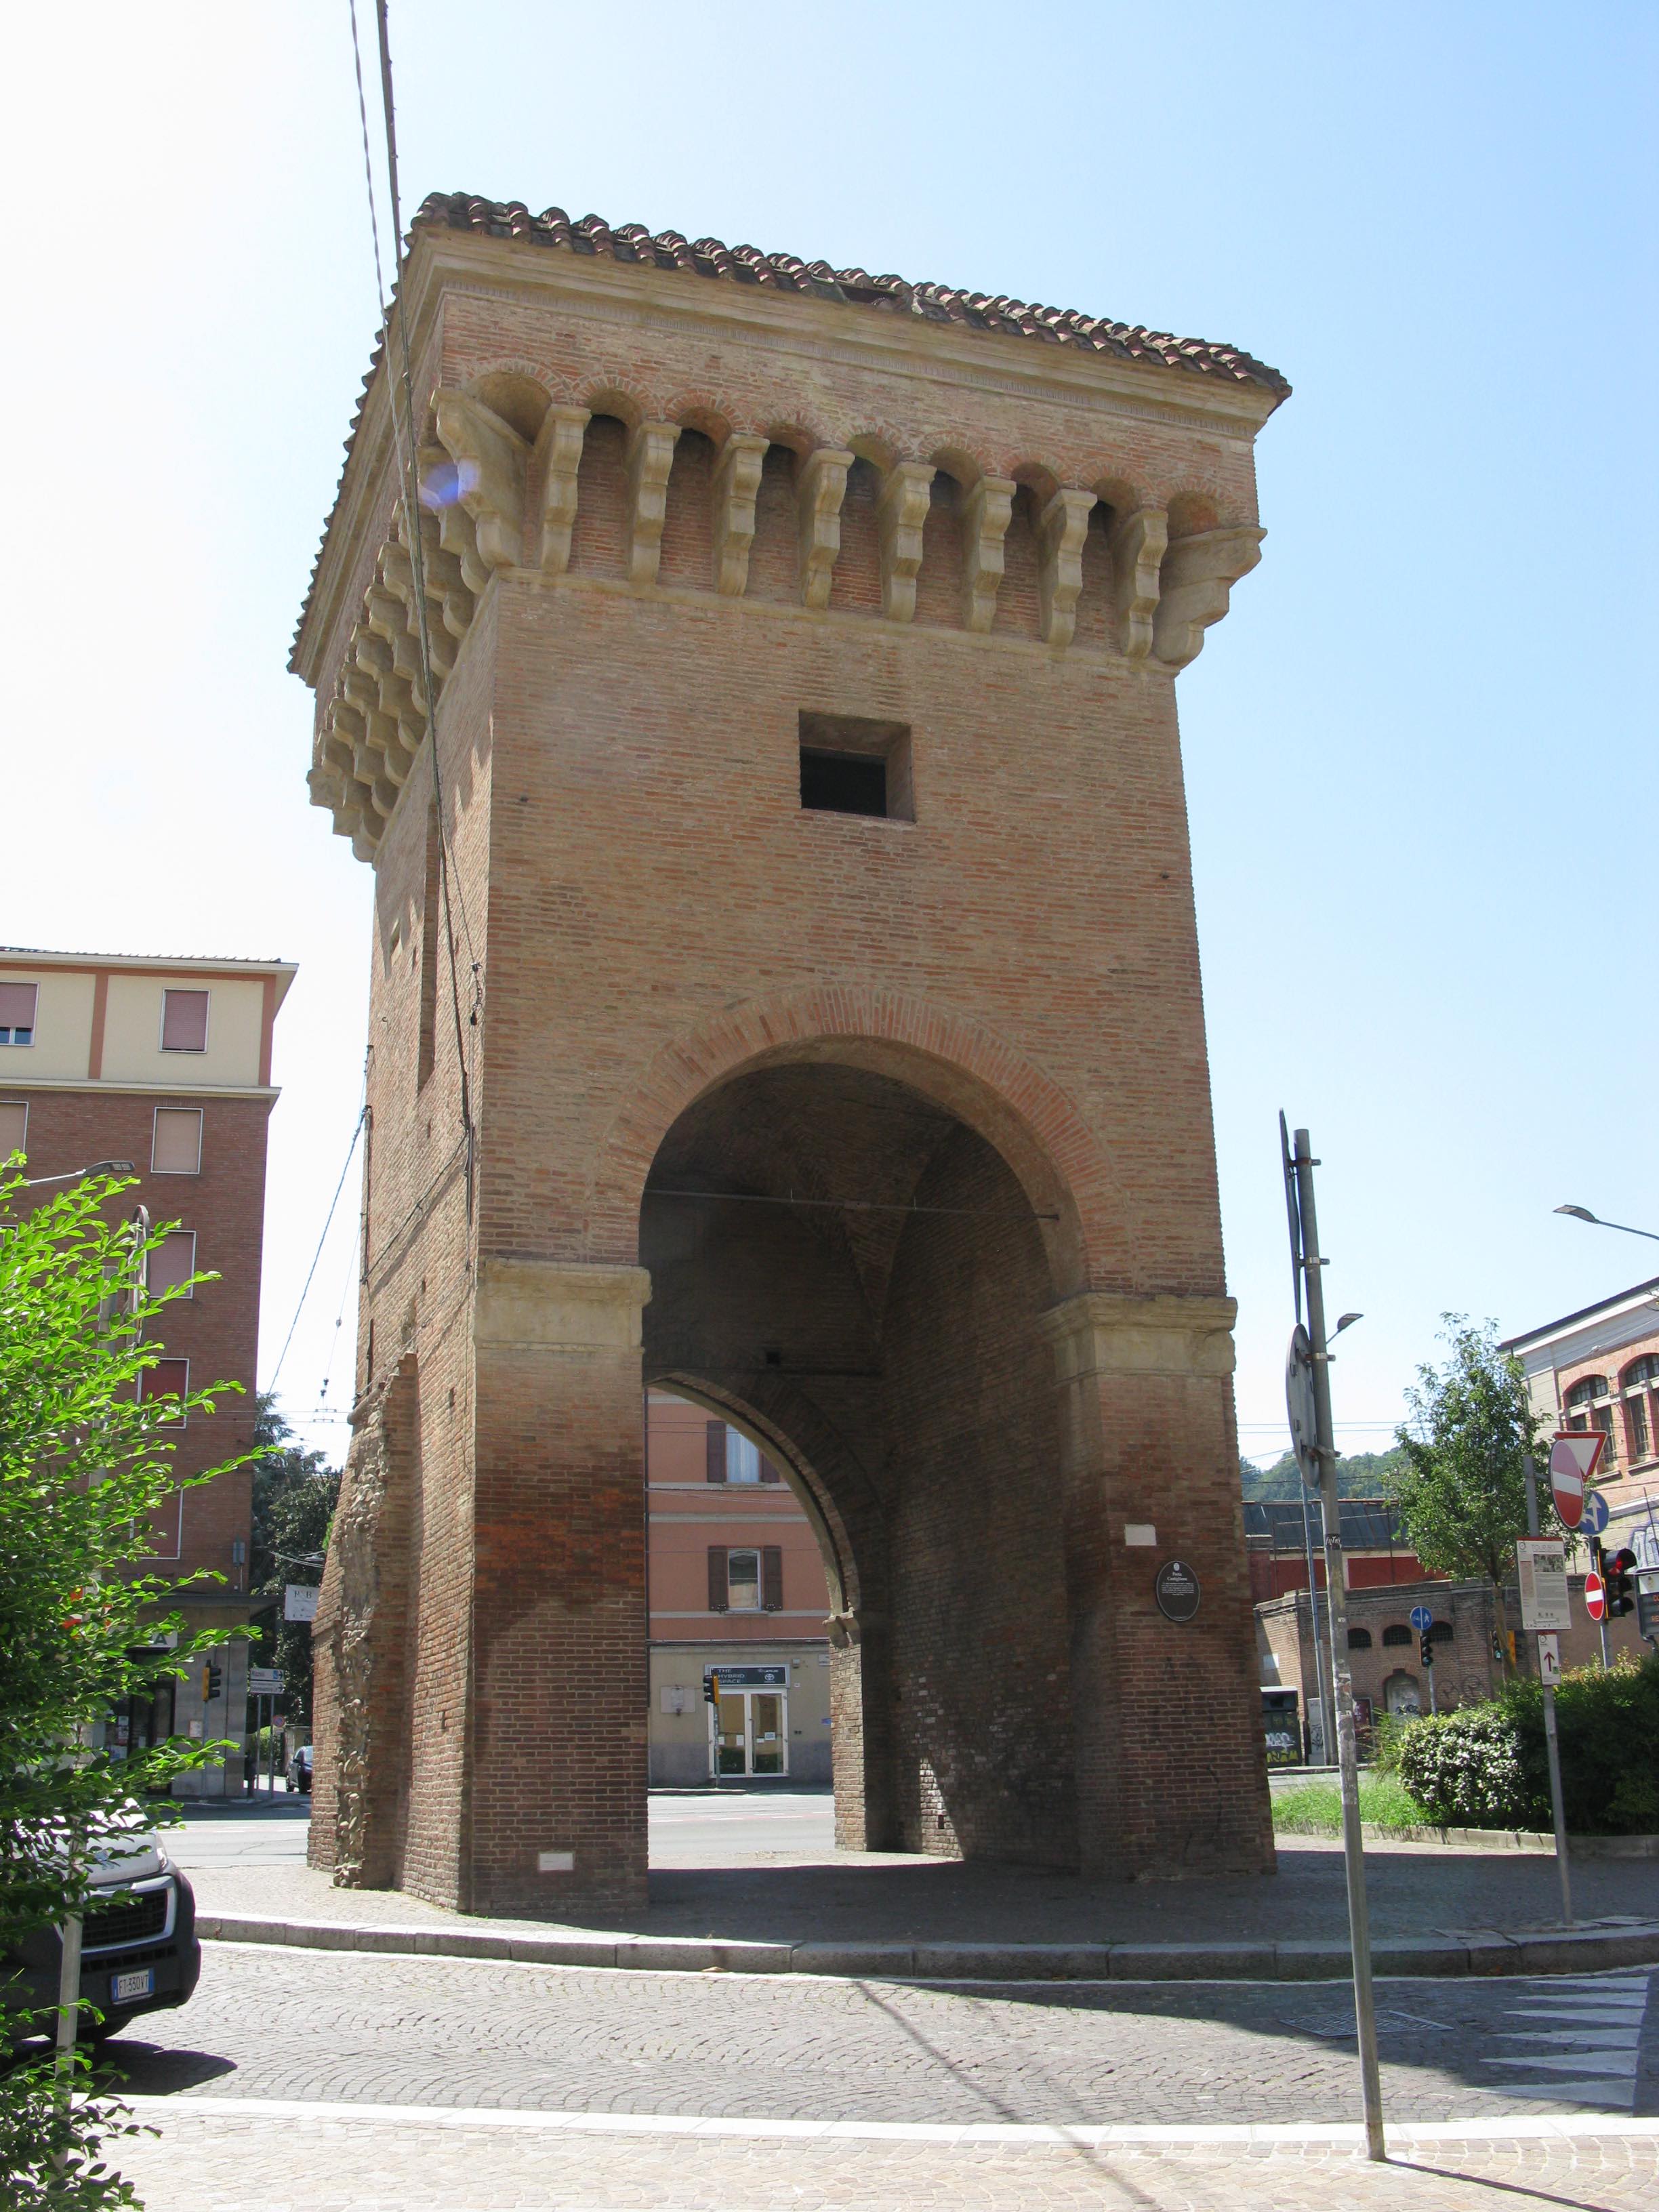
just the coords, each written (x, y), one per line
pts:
(1596, 1513)
(1422, 1619)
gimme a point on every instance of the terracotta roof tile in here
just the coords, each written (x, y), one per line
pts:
(631, 242)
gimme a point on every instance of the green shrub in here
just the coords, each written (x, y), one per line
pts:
(1485, 1766)
(1465, 1768)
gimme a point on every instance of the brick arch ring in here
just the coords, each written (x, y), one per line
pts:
(934, 1049)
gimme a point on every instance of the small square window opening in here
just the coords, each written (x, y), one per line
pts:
(850, 764)
(14, 1129)
(17, 1008)
(184, 1021)
(168, 1378)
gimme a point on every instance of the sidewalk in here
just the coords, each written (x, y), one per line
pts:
(1435, 1909)
(213, 2155)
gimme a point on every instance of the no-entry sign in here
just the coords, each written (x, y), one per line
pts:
(1596, 1595)
(1573, 1457)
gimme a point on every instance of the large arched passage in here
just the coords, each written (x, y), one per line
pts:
(845, 1264)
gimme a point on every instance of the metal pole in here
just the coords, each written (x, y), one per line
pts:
(69, 2010)
(1551, 1746)
(1325, 1758)
(1598, 1566)
(1353, 1857)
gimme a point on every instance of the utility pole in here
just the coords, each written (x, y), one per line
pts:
(1305, 1230)
(1551, 1746)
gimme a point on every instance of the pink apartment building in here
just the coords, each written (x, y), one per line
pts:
(736, 1590)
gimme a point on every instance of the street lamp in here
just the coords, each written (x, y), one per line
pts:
(1583, 1213)
(75, 1174)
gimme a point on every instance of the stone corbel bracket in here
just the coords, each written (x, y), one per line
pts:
(490, 461)
(1138, 543)
(1107, 1332)
(737, 484)
(558, 457)
(822, 488)
(986, 511)
(1062, 526)
(650, 458)
(902, 517)
(1198, 576)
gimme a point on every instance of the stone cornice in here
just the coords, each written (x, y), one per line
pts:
(1107, 1332)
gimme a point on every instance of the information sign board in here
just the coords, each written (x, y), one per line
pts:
(1541, 1571)
(300, 1601)
(266, 1682)
(1176, 1590)
(750, 1677)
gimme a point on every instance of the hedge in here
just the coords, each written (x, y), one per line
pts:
(1485, 1766)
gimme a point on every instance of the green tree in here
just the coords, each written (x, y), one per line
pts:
(1461, 1490)
(85, 1467)
(294, 1494)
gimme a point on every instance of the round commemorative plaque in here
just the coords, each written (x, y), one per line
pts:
(1176, 1590)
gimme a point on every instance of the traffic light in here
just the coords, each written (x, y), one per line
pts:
(212, 1682)
(1619, 1575)
(1426, 1650)
(711, 1689)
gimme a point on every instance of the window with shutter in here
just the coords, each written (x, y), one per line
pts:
(767, 1472)
(177, 1148)
(772, 1578)
(719, 1594)
(714, 1451)
(742, 1581)
(173, 1261)
(168, 1378)
(184, 1021)
(17, 1004)
(742, 1459)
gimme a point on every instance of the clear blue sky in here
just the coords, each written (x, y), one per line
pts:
(1421, 751)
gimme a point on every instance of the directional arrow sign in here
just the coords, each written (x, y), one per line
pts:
(1596, 1513)
(1595, 1597)
(1573, 1457)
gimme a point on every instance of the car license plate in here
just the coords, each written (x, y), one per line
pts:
(125, 1988)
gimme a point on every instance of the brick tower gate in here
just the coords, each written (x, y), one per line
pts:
(786, 991)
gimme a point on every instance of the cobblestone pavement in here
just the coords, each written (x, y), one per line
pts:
(314, 2024)
(209, 2161)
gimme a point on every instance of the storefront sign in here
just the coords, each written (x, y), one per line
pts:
(750, 1677)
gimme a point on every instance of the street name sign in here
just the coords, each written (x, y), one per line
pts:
(1541, 1571)
(1422, 1619)
(1573, 1457)
(1596, 1595)
(1596, 1513)
(265, 1682)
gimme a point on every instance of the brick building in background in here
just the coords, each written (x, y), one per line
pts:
(785, 991)
(736, 1583)
(167, 1063)
(1599, 1368)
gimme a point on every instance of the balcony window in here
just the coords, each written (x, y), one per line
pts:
(184, 1021)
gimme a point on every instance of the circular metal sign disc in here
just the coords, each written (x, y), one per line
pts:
(1299, 1404)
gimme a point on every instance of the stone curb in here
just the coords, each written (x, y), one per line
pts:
(1586, 1951)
